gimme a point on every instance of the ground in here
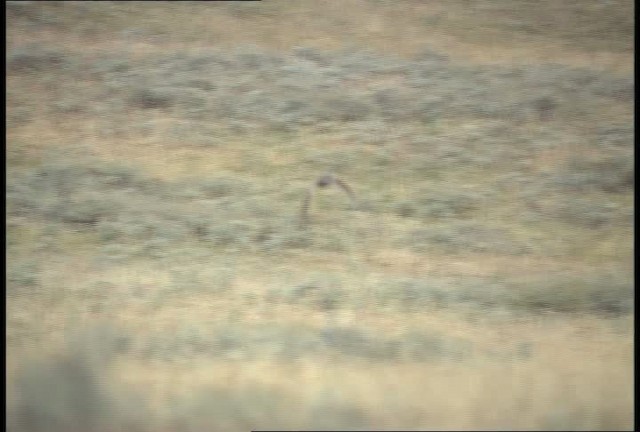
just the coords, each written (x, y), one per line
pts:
(157, 158)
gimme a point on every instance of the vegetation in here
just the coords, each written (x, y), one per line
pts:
(157, 158)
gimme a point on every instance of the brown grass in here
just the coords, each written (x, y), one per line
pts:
(525, 370)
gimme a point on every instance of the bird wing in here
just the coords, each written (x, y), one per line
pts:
(306, 201)
(345, 187)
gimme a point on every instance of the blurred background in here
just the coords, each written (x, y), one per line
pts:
(157, 157)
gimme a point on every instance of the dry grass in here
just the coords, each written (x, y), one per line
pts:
(154, 277)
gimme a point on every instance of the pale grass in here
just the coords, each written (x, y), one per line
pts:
(578, 373)
(585, 375)
(387, 28)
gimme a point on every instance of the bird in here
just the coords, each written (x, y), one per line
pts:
(545, 107)
(323, 181)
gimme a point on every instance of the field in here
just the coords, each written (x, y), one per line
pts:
(158, 275)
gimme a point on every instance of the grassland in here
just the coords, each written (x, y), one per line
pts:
(157, 155)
